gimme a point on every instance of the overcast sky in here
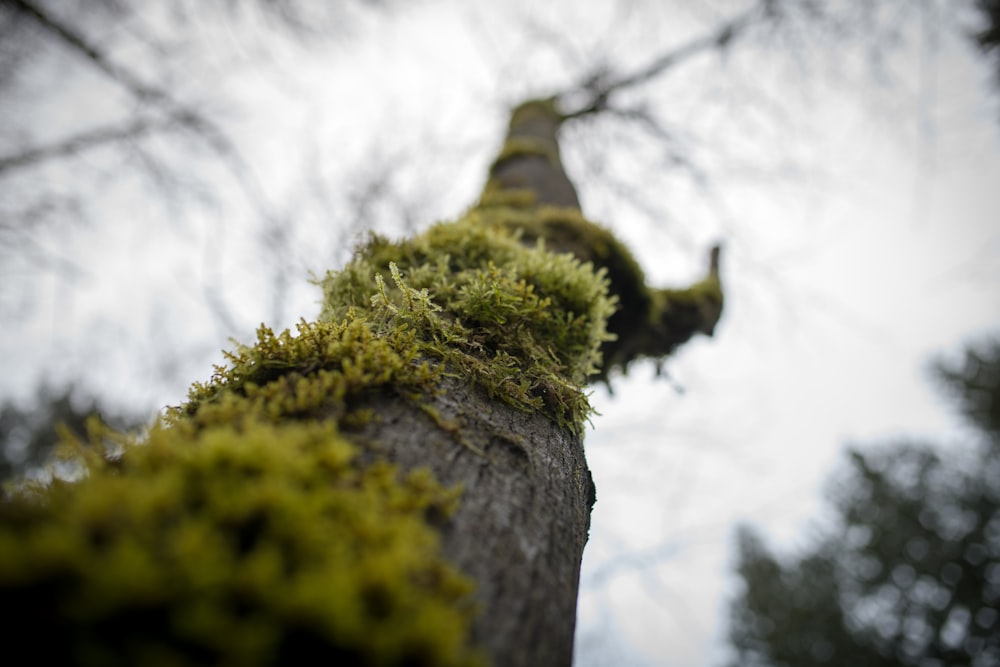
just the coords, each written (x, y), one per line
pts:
(858, 217)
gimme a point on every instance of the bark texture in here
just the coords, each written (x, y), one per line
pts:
(530, 159)
(521, 525)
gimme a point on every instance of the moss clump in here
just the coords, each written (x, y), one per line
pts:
(528, 193)
(243, 529)
(529, 159)
(542, 110)
(524, 323)
(496, 195)
(242, 544)
(524, 146)
(318, 372)
(648, 322)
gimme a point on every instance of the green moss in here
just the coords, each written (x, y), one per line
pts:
(522, 146)
(524, 323)
(647, 322)
(241, 530)
(316, 372)
(705, 296)
(244, 544)
(536, 200)
(495, 195)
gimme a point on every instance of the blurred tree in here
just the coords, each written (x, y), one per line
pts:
(909, 572)
(988, 35)
(29, 432)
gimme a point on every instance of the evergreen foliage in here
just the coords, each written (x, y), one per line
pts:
(909, 575)
(28, 433)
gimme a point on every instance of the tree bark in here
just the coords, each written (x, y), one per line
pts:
(522, 522)
(524, 515)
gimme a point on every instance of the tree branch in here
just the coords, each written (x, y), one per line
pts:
(78, 43)
(208, 131)
(81, 142)
(600, 85)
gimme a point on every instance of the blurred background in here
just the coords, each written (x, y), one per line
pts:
(815, 485)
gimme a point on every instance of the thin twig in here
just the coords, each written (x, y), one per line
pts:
(207, 130)
(176, 113)
(82, 142)
(601, 85)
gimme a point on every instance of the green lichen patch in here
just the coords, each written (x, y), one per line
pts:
(246, 544)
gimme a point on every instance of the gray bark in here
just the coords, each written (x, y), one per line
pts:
(523, 519)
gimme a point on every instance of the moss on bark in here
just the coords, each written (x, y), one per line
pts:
(242, 529)
(255, 524)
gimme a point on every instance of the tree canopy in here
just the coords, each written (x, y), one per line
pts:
(909, 571)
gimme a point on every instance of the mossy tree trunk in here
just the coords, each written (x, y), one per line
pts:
(401, 482)
(523, 521)
(521, 525)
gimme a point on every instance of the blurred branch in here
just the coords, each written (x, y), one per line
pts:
(82, 142)
(208, 131)
(177, 115)
(20, 245)
(83, 47)
(676, 156)
(600, 85)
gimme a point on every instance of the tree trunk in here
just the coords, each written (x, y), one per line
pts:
(329, 494)
(522, 523)
(524, 516)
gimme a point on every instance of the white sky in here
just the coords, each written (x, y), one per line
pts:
(861, 237)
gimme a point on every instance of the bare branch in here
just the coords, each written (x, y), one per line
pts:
(600, 85)
(82, 46)
(187, 117)
(82, 142)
